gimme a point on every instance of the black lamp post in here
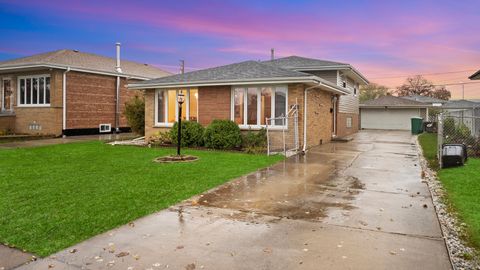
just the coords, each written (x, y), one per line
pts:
(180, 100)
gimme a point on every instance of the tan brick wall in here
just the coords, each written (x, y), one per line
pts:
(319, 117)
(48, 118)
(214, 103)
(91, 100)
(7, 123)
(342, 129)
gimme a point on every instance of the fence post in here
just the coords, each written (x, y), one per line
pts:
(440, 139)
(283, 134)
(268, 139)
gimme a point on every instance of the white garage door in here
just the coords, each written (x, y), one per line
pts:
(388, 118)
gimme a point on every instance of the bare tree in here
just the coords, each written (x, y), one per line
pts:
(416, 85)
(441, 93)
(372, 91)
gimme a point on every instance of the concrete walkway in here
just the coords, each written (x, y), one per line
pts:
(355, 205)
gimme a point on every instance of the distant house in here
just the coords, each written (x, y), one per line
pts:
(251, 91)
(475, 76)
(67, 92)
(434, 102)
(391, 113)
(466, 112)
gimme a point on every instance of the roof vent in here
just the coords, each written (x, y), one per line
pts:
(117, 67)
(75, 50)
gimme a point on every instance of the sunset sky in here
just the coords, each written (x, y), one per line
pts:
(385, 40)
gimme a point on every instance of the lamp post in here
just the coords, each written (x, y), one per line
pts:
(180, 100)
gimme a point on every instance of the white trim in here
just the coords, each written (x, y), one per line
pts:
(239, 82)
(31, 77)
(186, 106)
(244, 88)
(130, 76)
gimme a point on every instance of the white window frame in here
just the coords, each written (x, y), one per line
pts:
(31, 77)
(258, 126)
(349, 122)
(186, 106)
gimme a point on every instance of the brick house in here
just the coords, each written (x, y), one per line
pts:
(250, 91)
(67, 92)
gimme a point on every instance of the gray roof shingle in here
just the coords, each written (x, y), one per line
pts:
(461, 104)
(475, 76)
(243, 71)
(392, 101)
(293, 62)
(424, 99)
(88, 62)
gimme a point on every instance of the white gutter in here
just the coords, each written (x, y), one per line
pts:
(334, 100)
(64, 100)
(73, 69)
(305, 116)
(310, 79)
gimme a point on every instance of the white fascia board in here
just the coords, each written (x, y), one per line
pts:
(33, 66)
(310, 79)
(335, 67)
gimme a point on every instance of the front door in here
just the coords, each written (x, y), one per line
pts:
(6, 98)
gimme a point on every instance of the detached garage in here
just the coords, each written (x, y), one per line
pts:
(392, 113)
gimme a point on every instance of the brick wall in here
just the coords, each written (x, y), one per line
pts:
(49, 119)
(319, 117)
(213, 103)
(91, 100)
(342, 129)
(7, 123)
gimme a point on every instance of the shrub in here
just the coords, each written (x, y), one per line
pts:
(135, 114)
(161, 138)
(192, 133)
(222, 134)
(255, 142)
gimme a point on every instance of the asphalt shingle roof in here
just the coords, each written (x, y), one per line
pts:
(86, 61)
(294, 61)
(424, 99)
(392, 101)
(461, 104)
(475, 76)
(248, 70)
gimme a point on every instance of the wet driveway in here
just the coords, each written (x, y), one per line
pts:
(355, 205)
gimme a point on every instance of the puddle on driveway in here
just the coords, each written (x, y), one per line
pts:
(302, 187)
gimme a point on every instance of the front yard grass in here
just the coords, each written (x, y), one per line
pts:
(462, 185)
(52, 197)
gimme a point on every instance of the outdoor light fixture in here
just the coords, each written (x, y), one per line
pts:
(180, 100)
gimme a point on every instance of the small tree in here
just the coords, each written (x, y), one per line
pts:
(135, 114)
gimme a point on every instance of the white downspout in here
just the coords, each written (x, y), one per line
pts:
(64, 101)
(305, 117)
(117, 95)
(334, 100)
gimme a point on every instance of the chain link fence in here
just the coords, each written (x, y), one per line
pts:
(458, 127)
(282, 133)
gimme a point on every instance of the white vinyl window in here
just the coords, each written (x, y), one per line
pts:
(166, 106)
(251, 105)
(349, 122)
(34, 91)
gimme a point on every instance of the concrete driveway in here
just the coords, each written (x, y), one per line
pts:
(355, 205)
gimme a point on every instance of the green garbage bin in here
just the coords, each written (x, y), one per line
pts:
(417, 125)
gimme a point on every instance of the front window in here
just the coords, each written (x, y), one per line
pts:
(166, 106)
(252, 105)
(34, 90)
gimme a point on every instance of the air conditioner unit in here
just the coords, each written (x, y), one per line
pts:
(105, 128)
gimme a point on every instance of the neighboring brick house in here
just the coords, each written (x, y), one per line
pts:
(247, 93)
(346, 119)
(67, 92)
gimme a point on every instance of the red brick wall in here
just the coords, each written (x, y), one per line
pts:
(91, 100)
(213, 103)
(342, 129)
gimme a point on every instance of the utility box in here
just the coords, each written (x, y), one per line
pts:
(454, 155)
(417, 125)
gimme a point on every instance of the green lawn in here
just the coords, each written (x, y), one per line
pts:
(55, 196)
(462, 185)
(428, 141)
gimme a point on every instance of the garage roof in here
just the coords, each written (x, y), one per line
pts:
(392, 101)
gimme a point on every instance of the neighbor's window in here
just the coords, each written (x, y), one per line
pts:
(252, 105)
(166, 106)
(34, 90)
(349, 122)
